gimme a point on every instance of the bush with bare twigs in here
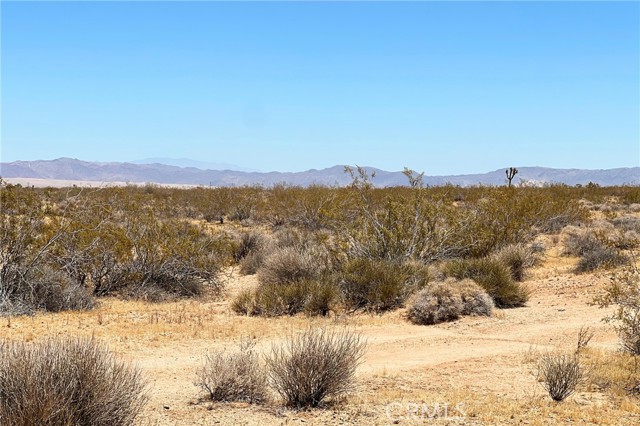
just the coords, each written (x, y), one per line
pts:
(560, 374)
(236, 376)
(67, 381)
(316, 365)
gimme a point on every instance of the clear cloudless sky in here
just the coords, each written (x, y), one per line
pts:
(440, 87)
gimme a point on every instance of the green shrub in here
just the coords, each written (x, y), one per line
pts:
(314, 297)
(494, 277)
(379, 285)
(314, 366)
(236, 376)
(67, 381)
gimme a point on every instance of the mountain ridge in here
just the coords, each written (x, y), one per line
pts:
(71, 169)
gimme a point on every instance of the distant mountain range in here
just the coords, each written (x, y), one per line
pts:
(69, 169)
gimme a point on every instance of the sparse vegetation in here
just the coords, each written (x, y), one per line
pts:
(315, 365)
(560, 374)
(67, 381)
(235, 376)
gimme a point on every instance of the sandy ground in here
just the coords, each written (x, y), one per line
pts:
(479, 368)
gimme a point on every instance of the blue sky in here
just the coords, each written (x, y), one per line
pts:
(444, 88)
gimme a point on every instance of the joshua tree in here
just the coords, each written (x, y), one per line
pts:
(511, 172)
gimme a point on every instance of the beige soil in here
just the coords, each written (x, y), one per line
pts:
(485, 364)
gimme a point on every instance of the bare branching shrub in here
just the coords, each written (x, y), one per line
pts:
(235, 376)
(315, 365)
(624, 292)
(494, 277)
(67, 381)
(560, 374)
(518, 257)
(585, 334)
(379, 285)
(436, 303)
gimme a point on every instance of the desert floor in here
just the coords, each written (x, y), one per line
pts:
(475, 371)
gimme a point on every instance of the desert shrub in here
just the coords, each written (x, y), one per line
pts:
(249, 243)
(560, 374)
(26, 290)
(493, 276)
(434, 304)
(581, 243)
(627, 223)
(236, 376)
(245, 302)
(475, 300)
(67, 381)
(624, 292)
(518, 257)
(291, 264)
(379, 285)
(315, 365)
(600, 257)
(314, 297)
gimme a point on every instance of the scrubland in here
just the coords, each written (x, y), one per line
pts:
(320, 305)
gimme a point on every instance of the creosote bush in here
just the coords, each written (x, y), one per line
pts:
(67, 381)
(315, 365)
(235, 376)
(379, 285)
(601, 257)
(560, 374)
(492, 275)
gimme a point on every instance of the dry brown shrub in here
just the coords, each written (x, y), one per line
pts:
(67, 381)
(315, 365)
(236, 376)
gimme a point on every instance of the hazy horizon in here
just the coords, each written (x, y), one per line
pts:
(446, 88)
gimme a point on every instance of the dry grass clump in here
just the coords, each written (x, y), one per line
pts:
(560, 374)
(492, 275)
(379, 285)
(236, 376)
(447, 301)
(67, 381)
(315, 365)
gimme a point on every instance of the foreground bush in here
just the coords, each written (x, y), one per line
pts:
(560, 374)
(492, 275)
(315, 365)
(623, 291)
(66, 381)
(291, 264)
(236, 376)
